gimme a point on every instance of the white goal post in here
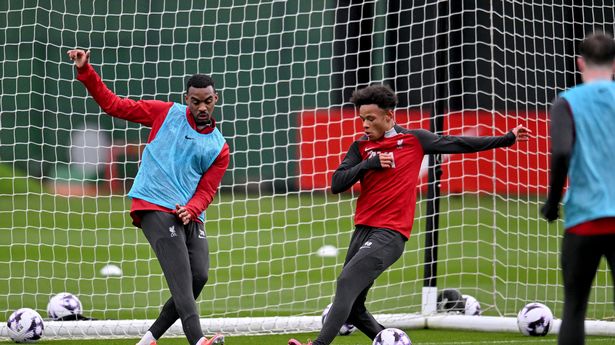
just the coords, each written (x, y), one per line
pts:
(284, 71)
(269, 325)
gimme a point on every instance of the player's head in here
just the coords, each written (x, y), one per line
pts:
(597, 56)
(201, 98)
(376, 104)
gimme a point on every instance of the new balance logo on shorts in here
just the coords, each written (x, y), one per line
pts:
(172, 231)
(367, 244)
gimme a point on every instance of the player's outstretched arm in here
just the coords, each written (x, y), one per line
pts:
(143, 112)
(433, 143)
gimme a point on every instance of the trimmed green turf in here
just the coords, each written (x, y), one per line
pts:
(13, 181)
(418, 337)
(263, 260)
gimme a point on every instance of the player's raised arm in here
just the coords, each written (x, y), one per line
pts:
(144, 112)
(433, 143)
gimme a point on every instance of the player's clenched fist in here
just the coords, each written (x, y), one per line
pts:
(386, 160)
(79, 56)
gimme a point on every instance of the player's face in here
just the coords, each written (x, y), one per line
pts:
(201, 102)
(375, 120)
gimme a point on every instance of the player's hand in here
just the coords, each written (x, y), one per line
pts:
(386, 160)
(550, 212)
(183, 214)
(521, 133)
(79, 56)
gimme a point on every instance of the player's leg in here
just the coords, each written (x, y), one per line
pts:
(378, 249)
(167, 236)
(356, 241)
(198, 253)
(580, 258)
(609, 253)
(363, 319)
(359, 316)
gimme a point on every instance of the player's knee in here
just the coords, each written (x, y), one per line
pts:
(358, 309)
(199, 279)
(344, 282)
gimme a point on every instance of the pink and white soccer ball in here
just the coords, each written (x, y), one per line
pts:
(25, 326)
(346, 328)
(535, 319)
(472, 307)
(62, 305)
(392, 336)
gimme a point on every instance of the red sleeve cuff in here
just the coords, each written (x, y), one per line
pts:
(83, 72)
(193, 212)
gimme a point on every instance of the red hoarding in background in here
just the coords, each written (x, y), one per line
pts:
(326, 135)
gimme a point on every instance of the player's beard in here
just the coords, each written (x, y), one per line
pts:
(202, 119)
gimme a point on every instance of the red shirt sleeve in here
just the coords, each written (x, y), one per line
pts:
(145, 112)
(207, 187)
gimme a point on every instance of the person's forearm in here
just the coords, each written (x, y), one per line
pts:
(345, 178)
(562, 141)
(559, 171)
(208, 186)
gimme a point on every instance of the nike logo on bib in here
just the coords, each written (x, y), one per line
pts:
(189, 138)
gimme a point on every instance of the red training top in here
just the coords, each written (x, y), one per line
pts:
(388, 195)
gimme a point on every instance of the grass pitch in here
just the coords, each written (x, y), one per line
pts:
(263, 260)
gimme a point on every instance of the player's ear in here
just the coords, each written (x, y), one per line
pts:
(581, 64)
(389, 114)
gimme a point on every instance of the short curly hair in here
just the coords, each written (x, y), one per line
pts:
(200, 81)
(379, 94)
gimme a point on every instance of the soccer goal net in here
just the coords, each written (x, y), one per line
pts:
(284, 71)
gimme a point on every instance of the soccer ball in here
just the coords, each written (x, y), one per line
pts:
(450, 300)
(472, 307)
(535, 319)
(64, 305)
(346, 328)
(392, 336)
(25, 326)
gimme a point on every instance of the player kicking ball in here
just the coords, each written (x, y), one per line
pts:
(181, 169)
(387, 160)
